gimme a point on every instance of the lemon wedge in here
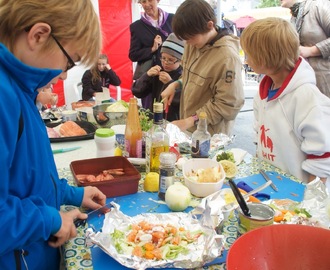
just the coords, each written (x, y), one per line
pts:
(151, 182)
(229, 167)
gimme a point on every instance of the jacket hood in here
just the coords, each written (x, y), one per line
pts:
(227, 41)
(28, 81)
(293, 81)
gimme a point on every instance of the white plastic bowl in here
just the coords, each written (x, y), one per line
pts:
(199, 189)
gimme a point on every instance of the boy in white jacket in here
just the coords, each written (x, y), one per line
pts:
(292, 117)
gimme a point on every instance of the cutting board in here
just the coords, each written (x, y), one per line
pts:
(287, 188)
(131, 205)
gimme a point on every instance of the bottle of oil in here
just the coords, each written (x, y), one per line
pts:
(157, 140)
(201, 138)
(133, 132)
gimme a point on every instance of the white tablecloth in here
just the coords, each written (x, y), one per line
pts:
(63, 160)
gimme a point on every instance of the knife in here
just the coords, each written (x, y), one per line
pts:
(264, 174)
(63, 150)
(81, 222)
(247, 188)
(101, 210)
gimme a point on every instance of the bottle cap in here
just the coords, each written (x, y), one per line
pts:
(104, 132)
(202, 115)
(167, 158)
(158, 107)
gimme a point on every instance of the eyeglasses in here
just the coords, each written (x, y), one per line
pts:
(169, 61)
(70, 63)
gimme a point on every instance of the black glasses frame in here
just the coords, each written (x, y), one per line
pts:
(169, 62)
(71, 63)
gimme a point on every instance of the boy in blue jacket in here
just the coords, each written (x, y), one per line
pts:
(39, 42)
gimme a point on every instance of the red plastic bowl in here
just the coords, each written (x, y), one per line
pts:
(283, 246)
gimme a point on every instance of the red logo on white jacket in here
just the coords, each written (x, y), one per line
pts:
(266, 142)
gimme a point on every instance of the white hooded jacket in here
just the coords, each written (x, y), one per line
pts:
(292, 128)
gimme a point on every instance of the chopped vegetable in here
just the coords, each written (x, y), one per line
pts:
(226, 155)
(118, 106)
(154, 241)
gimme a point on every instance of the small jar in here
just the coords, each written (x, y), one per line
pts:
(166, 172)
(105, 140)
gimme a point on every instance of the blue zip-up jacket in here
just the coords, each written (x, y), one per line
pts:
(31, 192)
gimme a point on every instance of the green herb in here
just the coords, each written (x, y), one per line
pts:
(146, 120)
(226, 155)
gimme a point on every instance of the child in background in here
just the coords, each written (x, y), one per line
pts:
(100, 76)
(212, 70)
(157, 78)
(292, 117)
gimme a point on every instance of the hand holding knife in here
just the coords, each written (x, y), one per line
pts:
(82, 222)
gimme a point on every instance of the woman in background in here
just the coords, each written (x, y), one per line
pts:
(312, 22)
(147, 35)
(99, 76)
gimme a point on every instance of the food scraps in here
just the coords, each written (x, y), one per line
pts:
(105, 175)
(208, 175)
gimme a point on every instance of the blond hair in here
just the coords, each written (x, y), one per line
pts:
(96, 76)
(70, 20)
(271, 42)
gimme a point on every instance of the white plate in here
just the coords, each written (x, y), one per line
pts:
(238, 153)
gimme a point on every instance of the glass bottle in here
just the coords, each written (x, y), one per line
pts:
(133, 132)
(157, 140)
(201, 138)
(166, 172)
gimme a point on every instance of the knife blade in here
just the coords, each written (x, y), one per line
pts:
(265, 175)
(63, 150)
(101, 210)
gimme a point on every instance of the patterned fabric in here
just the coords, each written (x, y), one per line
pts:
(159, 23)
(77, 256)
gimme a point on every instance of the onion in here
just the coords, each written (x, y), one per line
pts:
(177, 197)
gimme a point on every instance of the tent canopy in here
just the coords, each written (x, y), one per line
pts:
(244, 21)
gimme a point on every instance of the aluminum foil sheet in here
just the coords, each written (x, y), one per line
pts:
(204, 250)
(176, 135)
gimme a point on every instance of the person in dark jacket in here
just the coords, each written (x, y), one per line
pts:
(99, 76)
(147, 35)
(157, 78)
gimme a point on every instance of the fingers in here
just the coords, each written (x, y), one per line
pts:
(68, 229)
(93, 198)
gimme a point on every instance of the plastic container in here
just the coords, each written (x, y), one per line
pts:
(69, 115)
(105, 140)
(202, 189)
(281, 246)
(121, 185)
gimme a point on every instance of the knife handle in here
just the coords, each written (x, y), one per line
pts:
(77, 222)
